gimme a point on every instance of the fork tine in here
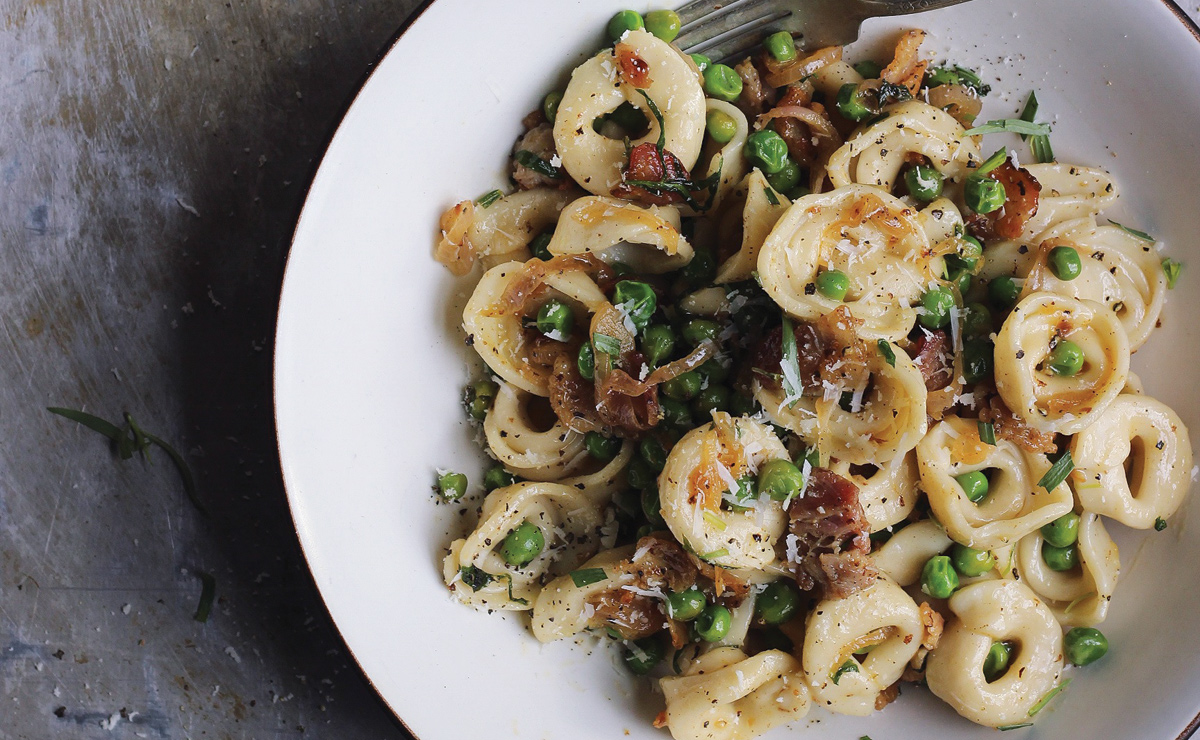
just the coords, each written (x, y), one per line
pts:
(694, 11)
(726, 19)
(742, 39)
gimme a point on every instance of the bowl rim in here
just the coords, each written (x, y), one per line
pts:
(352, 99)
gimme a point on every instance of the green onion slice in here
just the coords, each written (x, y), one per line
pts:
(885, 349)
(1049, 695)
(1058, 472)
(1011, 125)
(987, 433)
(588, 576)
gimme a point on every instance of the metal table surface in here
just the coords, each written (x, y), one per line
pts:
(154, 156)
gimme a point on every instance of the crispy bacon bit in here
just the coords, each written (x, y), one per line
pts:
(934, 357)
(802, 124)
(726, 586)
(633, 616)
(533, 119)
(832, 537)
(626, 416)
(1011, 427)
(538, 141)
(887, 696)
(906, 69)
(661, 720)
(829, 351)
(634, 69)
(1021, 193)
(646, 165)
(454, 250)
(756, 97)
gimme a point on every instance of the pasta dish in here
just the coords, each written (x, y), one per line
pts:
(797, 393)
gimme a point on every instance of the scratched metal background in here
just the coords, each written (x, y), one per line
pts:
(153, 158)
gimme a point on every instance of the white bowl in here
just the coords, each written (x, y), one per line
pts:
(370, 360)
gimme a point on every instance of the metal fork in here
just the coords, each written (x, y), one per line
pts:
(725, 30)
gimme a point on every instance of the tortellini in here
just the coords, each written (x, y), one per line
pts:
(1049, 402)
(888, 493)
(725, 695)
(1068, 192)
(755, 208)
(987, 612)
(883, 619)
(502, 231)
(645, 239)
(598, 87)
(544, 455)
(866, 233)
(498, 337)
(569, 523)
(903, 556)
(875, 155)
(1134, 463)
(562, 608)
(730, 159)
(1078, 597)
(1015, 504)
(704, 465)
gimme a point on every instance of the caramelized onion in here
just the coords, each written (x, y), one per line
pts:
(536, 272)
(959, 101)
(455, 250)
(786, 73)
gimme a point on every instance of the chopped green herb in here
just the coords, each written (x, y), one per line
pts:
(1133, 232)
(511, 598)
(771, 197)
(885, 349)
(987, 433)
(850, 666)
(1022, 725)
(1171, 268)
(1077, 601)
(990, 163)
(489, 198)
(474, 577)
(1058, 472)
(658, 116)
(971, 79)
(531, 161)
(1042, 151)
(1049, 695)
(1030, 111)
(135, 440)
(208, 595)
(588, 576)
(1011, 125)
(1160, 524)
(715, 554)
(715, 521)
(790, 364)
(891, 93)
(608, 345)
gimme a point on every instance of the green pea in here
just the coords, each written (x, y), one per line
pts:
(555, 319)
(938, 577)
(1063, 531)
(924, 183)
(1003, 291)
(941, 76)
(626, 20)
(1060, 559)
(974, 484)
(780, 479)
(778, 602)
(715, 371)
(781, 46)
(664, 24)
(713, 398)
(961, 278)
(722, 82)
(937, 304)
(479, 397)
(1084, 645)
(743, 405)
(983, 194)
(658, 342)
(702, 270)
(540, 246)
(586, 361)
(833, 284)
(600, 447)
(971, 562)
(977, 359)
(869, 69)
(676, 414)
(620, 269)
(713, 623)
(699, 331)
(702, 62)
(640, 475)
(652, 506)
(452, 486)
(1065, 263)
(653, 452)
(628, 503)
(644, 530)
(977, 320)
(497, 477)
(686, 605)
(550, 105)
(523, 544)
(638, 301)
(798, 192)
(970, 250)
(767, 150)
(650, 651)
(721, 126)
(683, 387)
(852, 105)
(1066, 359)
(997, 660)
(786, 178)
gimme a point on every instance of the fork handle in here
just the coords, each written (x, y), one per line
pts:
(904, 7)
